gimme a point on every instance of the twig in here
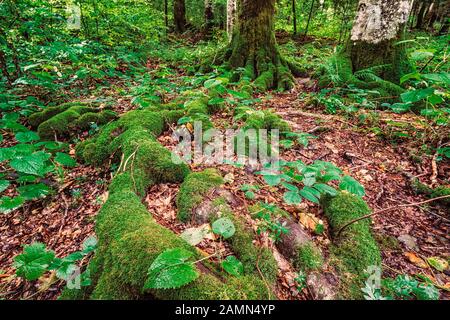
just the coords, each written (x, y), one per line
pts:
(388, 209)
(433, 177)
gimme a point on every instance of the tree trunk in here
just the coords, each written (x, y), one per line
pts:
(378, 26)
(166, 14)
(294, 15)
(422, 13)
(254, 46)
(231, 16)
(179, 15)
(309, 18)
(209, 14)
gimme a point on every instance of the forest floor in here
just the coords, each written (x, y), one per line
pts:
(407, 236)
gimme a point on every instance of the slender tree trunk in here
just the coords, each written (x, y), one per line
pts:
(254, 46)
(4, 67)
(231, 16)
(378, 26)
(166, 14)
(309, 18)
(209, 14)
(179, 15)
(294, 15)
(422, 13)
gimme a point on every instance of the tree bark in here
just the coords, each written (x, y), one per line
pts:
(378, 26)
(254, 46)
(294, 15)
(179, 15)
(231, 17)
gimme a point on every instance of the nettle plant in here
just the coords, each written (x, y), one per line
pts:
(175, 268)
(29, 162)
(309, 182)
(36, 260)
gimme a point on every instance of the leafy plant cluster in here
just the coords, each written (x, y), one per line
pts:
(29, 162)
(269, 221)
(36, 260)
(309, 182)
(403, 287)
(175, 268)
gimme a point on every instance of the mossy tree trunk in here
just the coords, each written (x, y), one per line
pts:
(254, 47)
(378, 27)
(179, 15)
(231, 16)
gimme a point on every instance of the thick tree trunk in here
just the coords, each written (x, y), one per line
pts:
(179, 15)
(231, 16)
(378, 26)
(254, 46)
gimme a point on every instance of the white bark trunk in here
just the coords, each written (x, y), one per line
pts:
(379, 20)
(231, 16)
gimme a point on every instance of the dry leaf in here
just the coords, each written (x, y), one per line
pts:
(414, 259)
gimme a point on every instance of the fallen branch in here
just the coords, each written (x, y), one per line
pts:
(388, 209)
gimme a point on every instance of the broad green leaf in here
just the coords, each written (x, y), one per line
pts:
(89, 245)
(28, 136)
(8, 204)
(34, 261)
(324, 188)
(233, 266)
(211, 83)
(438, 263)
(351, 185)
(171, 270)
(272, 179)
(416, 95)
(3, 185)
(34, 191)
(224, 227)
(65, 160)
(292, 197)
(309, 194)
(194, 236)
(66, 271)
(33, 164)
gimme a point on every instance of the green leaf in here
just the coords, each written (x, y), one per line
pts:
(89, 245)
(309, 180)
(324, 188)
(292, 197)
(33, 164)
(65, 160)
(416, 95)
(224, 227)
(310, 194)
(271, 179)
(28, 136)
(4, 184)
(8, 204)
(233, 266)
(250, 195)
(211, 83)
(171, 270)
(352, 186)
(438, 263)
(66, 271)
(34, 261)
(34, 191)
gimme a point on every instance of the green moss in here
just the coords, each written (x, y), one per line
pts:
(265, 120)
(193, 190)
(356, 247)
(309, 258)
(84, 121)
(37, 118)
(251, 256)
(440, 192)
(62, 123)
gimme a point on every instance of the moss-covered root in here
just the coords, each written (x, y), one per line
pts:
(193, 190)
(356, 249)
(338, 71)
(64, 119)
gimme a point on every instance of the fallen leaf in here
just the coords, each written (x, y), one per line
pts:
(438, 263)
(414, 259)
